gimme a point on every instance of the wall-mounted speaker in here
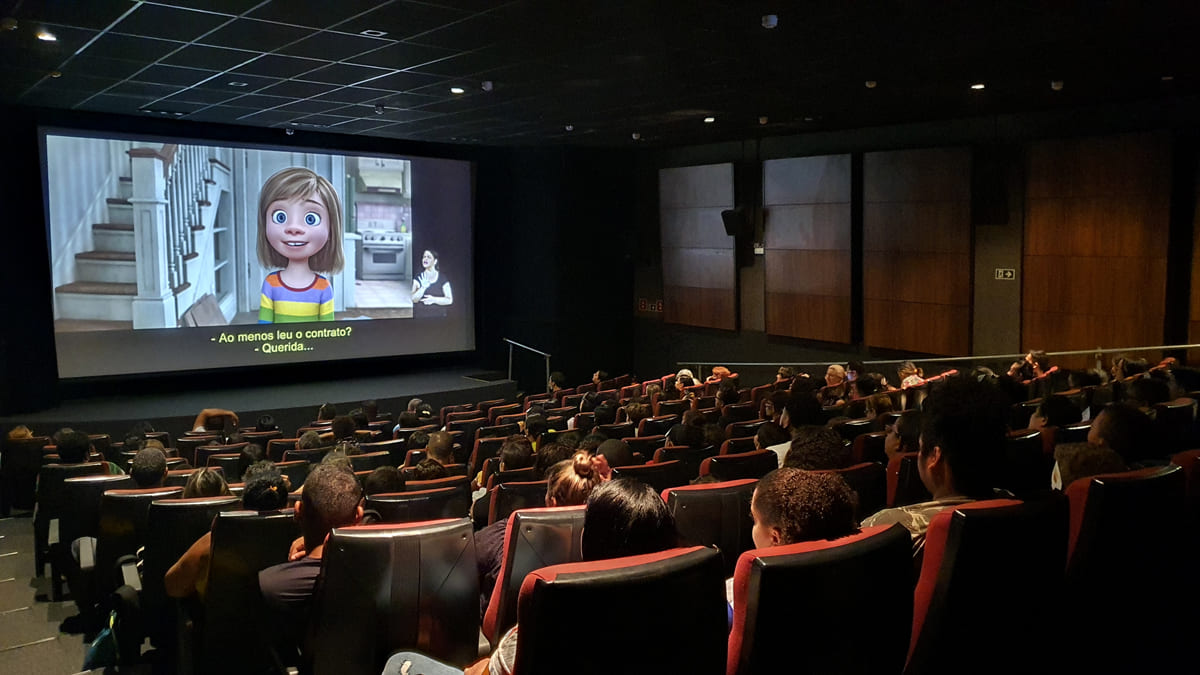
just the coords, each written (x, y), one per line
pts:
(737, 222)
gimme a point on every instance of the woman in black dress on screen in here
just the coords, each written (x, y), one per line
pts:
(431, 288)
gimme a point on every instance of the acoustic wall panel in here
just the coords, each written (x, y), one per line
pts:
(807, 241)
(917, 250)
(699, 273)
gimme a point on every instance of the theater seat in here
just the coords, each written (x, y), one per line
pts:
(745, 429)
(418, 505)
(534, 538)
(388, 587)
(735, 446)
(124, 514)
(840, 606)
(660, 424)
(296, 472)
(79, 517)
(369, 461)
(868, 480)
(869, 448)
(50, 504)
(715, 514)
(645, 445)
(691, 458)
(659, 476)
(678, 593)
(510, 496)
(904, 484)
(988, 568)
(395, 448)
(755, 464)
(1025, 468)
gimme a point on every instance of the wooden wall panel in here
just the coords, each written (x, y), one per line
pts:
(699, 272)
(807, 241)
(1095, 246)
(917, 250)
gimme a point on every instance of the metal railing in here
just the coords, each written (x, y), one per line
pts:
(1097, 352)
(543, 354)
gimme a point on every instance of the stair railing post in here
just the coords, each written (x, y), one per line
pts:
(153, 306)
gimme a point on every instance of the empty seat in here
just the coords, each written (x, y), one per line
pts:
(445, 411)
(188, 444)
(277, 446)
(534, 538)
(754, 464)
(715, 514)
(389, 587)
(19, 465)
(394, 448)
(617, 431)
(659, 476)
(418, 505)
(228, 463)
(989, 567)
(869, 447)
(672, 407)
(496, 411)
(497, 430)
(79, 517)
(829, 606)
(682, 589)
(852, 429)
(740, 412)
(50, 503)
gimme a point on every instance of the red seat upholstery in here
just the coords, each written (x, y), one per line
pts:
(755, 464)
(989, 567)
(414, 457)
(869, 448)
(682, 589)
(715, 514)
(468, 427)
(1189, 461)
(534, 538)
(387, 587)
(758, 394)
(1125, 529)
(483, 449)
(839, 606)
(904, 484)
(446, 410)
(659, 476)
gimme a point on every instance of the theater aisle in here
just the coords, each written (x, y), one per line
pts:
(29, 637)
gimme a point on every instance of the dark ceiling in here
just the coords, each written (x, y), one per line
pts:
(592, 73)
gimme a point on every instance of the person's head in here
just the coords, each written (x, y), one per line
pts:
(774, 405)
(19, 432)
(299, 220)
(834, 375)
(692, 418)
(570, 439)
(962, 434)
(801, 410)
(348, 446)
(792, 505)
(1126, 367)
(1055, 411)
(1080, 460)
(616, 452)
(907, 370)
(784, 373)
(413, 404)
(440, 447)
(331, 498)
(265, 423)
(1145, 392)
(1038, 359)
(429, 260)
(73, 447)
(653, 389)
(727, 394)
(250, 455)
(149, 468)
(384, 479)
(429, 469)
(205, 483)
(557, 381)
(720, 372)
(606, 413)
(535, 426)
(685, 372)
(686, 434)
(326, 412)
(1125, 430)
(338, 457)
(856, 367)
(259, 469)
(598, 377)
(370, 408)
(547, 456)
(636, 412)
(816, 448)
(308, 440)
(591, 442)
(588, 402)
(418, 440)
(360, 419)
(626, 517)
(904, 435)
(343, 427)
(425, 413)
(684, 381)
(865, 385)
(515, 453)
(267, 491)
(770, 434)
(408, 420)
(714, 435)
(570, 481)
(134, 443)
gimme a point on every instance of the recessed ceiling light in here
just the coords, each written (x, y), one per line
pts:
(770, 21)
(457, 90)
(636, 136)
(763, 119)
(236, 83)
(808, 119)
(1056, 85)
(871, 84)
(570, 127)
(46, 36)
(373, 33)
(709, 120)
(977, 86)
(55, 74)
(487, 85)
(1168, 78)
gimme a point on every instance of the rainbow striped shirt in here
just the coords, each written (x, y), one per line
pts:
(283, 304)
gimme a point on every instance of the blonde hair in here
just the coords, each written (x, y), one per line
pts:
(570, 481)
(300, 183)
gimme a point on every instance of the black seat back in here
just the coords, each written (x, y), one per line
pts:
(513, 495)
(123, 518)
(715, 514)
(659, 476)
(80, 513)
(416, 506)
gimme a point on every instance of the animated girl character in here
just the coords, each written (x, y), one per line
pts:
(299, 230)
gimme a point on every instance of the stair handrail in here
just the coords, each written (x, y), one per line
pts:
(513, 343)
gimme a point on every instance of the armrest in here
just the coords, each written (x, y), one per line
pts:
(53, 537)
(87, 553)
(129, 573)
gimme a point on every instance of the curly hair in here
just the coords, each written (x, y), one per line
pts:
(805, 505)
(571, 481)
(815, 448)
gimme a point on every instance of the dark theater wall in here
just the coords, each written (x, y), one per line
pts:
(1096, 236)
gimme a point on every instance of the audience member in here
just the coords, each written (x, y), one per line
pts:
(1126, 431)
(1146, 392)
(326, 412)
(440, 447)
(149, 468)
(407, 420)
(834, 391)
(1073, 461)
(636, 411)
(331, 498)
(419, 440)
(370, 408)
(910, 375)
(963, 432)
(599, 377)
(73, 447)
(1055, 411)
(1035, 364)
(774, 405)
(903, 435)
(309, 440)
(338, 458)
(615, 452)
(1123, 367)
(384, 479)
(265, 423)
(535, 427)
(793, 505)
(775, 438)
(605, 413)
(215, 420)
(551, 454)
(250, 455)
(556, 382)
(686, 435)
(817, 448)
(719, 373)
(429, 469)
(343, 428)
(205, 482)
(19, 432)
(516, 453)
(784, 374)
(714, 435)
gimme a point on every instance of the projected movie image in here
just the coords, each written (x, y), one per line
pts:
(149, 236)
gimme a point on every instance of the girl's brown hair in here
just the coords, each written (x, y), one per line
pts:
(570, 481)
(300, 183)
